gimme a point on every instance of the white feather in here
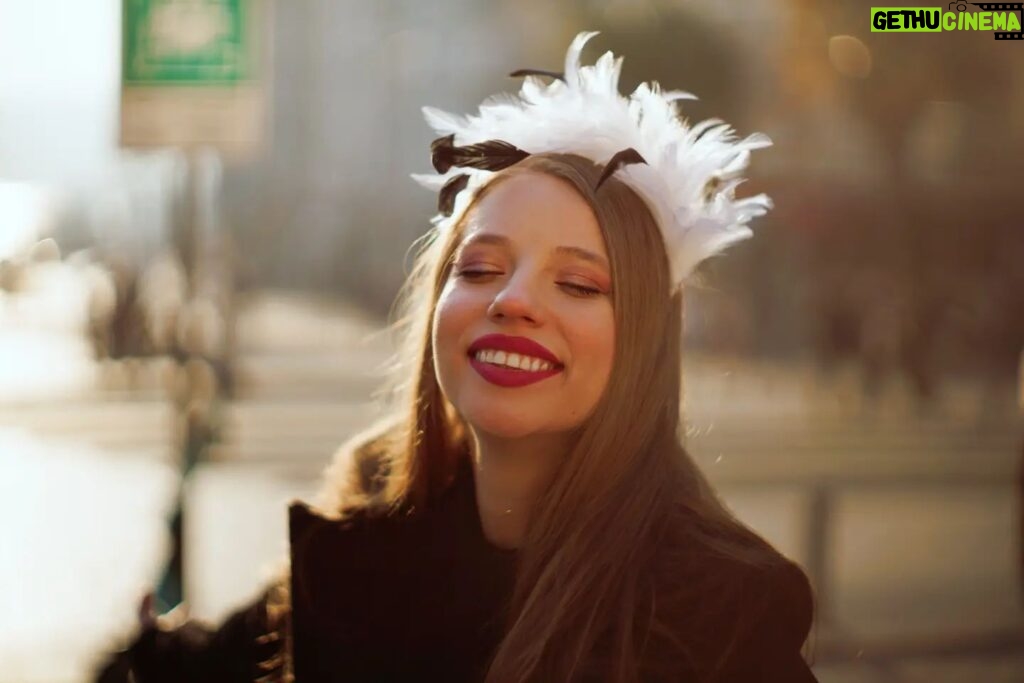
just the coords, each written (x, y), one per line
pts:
(587, 115)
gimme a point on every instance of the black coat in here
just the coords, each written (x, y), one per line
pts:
(423, 598)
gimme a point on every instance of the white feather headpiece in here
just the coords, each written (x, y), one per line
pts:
(687, 175)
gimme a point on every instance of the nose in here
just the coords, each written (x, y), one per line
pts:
(515, 301)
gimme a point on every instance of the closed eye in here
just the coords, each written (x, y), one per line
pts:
(471, 274)
(579, 290)
(575, 289)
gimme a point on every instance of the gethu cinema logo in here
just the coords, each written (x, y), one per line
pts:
(1000, 17)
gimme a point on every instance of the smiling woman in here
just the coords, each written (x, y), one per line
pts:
(525, 282)
(539, 297)
(528, 512)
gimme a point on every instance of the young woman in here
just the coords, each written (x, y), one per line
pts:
(527, 512)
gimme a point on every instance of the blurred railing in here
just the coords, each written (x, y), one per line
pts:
(944, 458)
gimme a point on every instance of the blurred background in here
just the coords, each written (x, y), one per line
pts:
(205, 215)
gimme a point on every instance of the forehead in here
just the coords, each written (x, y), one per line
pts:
(537, 209)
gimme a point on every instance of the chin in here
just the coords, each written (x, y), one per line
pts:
(503, 426)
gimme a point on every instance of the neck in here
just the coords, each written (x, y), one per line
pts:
(510, 475)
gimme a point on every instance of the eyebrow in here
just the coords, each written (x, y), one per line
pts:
(501, 240)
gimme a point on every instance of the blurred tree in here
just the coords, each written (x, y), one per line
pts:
(910, 247)
(676, 46)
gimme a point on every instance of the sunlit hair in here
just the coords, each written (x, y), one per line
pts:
(602, 568)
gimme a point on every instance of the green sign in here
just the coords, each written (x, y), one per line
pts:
(185, 42)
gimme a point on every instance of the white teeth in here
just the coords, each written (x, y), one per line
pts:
(512, 360)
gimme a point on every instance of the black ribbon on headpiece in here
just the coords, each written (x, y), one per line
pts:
(538, 72)
(496, 155)
(492, 155)
(620, 159)
(446, 197)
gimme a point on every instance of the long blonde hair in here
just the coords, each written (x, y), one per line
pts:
(626, 508)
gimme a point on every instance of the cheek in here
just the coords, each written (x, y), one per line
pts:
(454, 314)
(445, 327)
(594, 341)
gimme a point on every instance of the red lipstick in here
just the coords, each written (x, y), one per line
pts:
(520, 345)
(512, 377)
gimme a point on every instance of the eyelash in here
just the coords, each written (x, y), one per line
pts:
(579, 290)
